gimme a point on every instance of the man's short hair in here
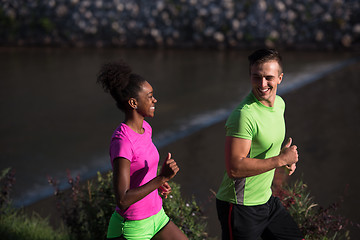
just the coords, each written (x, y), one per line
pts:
(264, 55)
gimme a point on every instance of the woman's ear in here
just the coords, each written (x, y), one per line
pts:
(133, 103)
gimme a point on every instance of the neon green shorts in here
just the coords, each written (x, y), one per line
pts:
(137, 229)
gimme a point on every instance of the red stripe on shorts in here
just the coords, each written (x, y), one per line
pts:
(229, 222)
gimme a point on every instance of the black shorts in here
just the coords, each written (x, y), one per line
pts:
(268, 221)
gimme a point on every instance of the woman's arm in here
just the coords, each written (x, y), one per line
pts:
(121, 180)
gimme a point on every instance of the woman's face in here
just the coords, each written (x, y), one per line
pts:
(146, 100)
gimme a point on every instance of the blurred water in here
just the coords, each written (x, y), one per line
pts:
(55, 117)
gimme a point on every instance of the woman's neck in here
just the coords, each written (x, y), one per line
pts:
(135, 123)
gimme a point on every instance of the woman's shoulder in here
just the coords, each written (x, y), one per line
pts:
(121, 131)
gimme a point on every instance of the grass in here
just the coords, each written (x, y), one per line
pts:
(16, 225)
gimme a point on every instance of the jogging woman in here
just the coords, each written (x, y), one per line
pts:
(134, 158)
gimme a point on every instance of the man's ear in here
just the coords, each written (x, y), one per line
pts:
(280, 78)
(132, 103)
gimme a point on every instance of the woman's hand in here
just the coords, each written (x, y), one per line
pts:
(169, 168)
(165, 189)
(291, 168)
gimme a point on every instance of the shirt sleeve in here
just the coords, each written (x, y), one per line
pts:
(121, 147)
(239, 125)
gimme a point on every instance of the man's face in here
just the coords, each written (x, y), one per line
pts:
(264, 80)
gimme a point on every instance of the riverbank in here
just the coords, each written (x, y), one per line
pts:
(182, 24)
(322, 118)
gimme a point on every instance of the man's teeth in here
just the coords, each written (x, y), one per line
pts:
(152, 108)
(264, 90)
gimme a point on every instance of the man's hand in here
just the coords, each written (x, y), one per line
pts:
(289, 155)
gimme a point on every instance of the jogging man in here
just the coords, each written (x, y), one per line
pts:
(255, 131)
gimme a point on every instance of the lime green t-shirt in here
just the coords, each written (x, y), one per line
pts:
(265, 127)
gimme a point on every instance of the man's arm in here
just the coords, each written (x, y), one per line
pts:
(238, 165)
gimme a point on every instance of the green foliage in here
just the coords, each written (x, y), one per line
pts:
(7, 180)
(86, 209)
(46, 24)
(16, 225)
(98, 204)
(9, 27)
(316, 223)
(185, 214)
